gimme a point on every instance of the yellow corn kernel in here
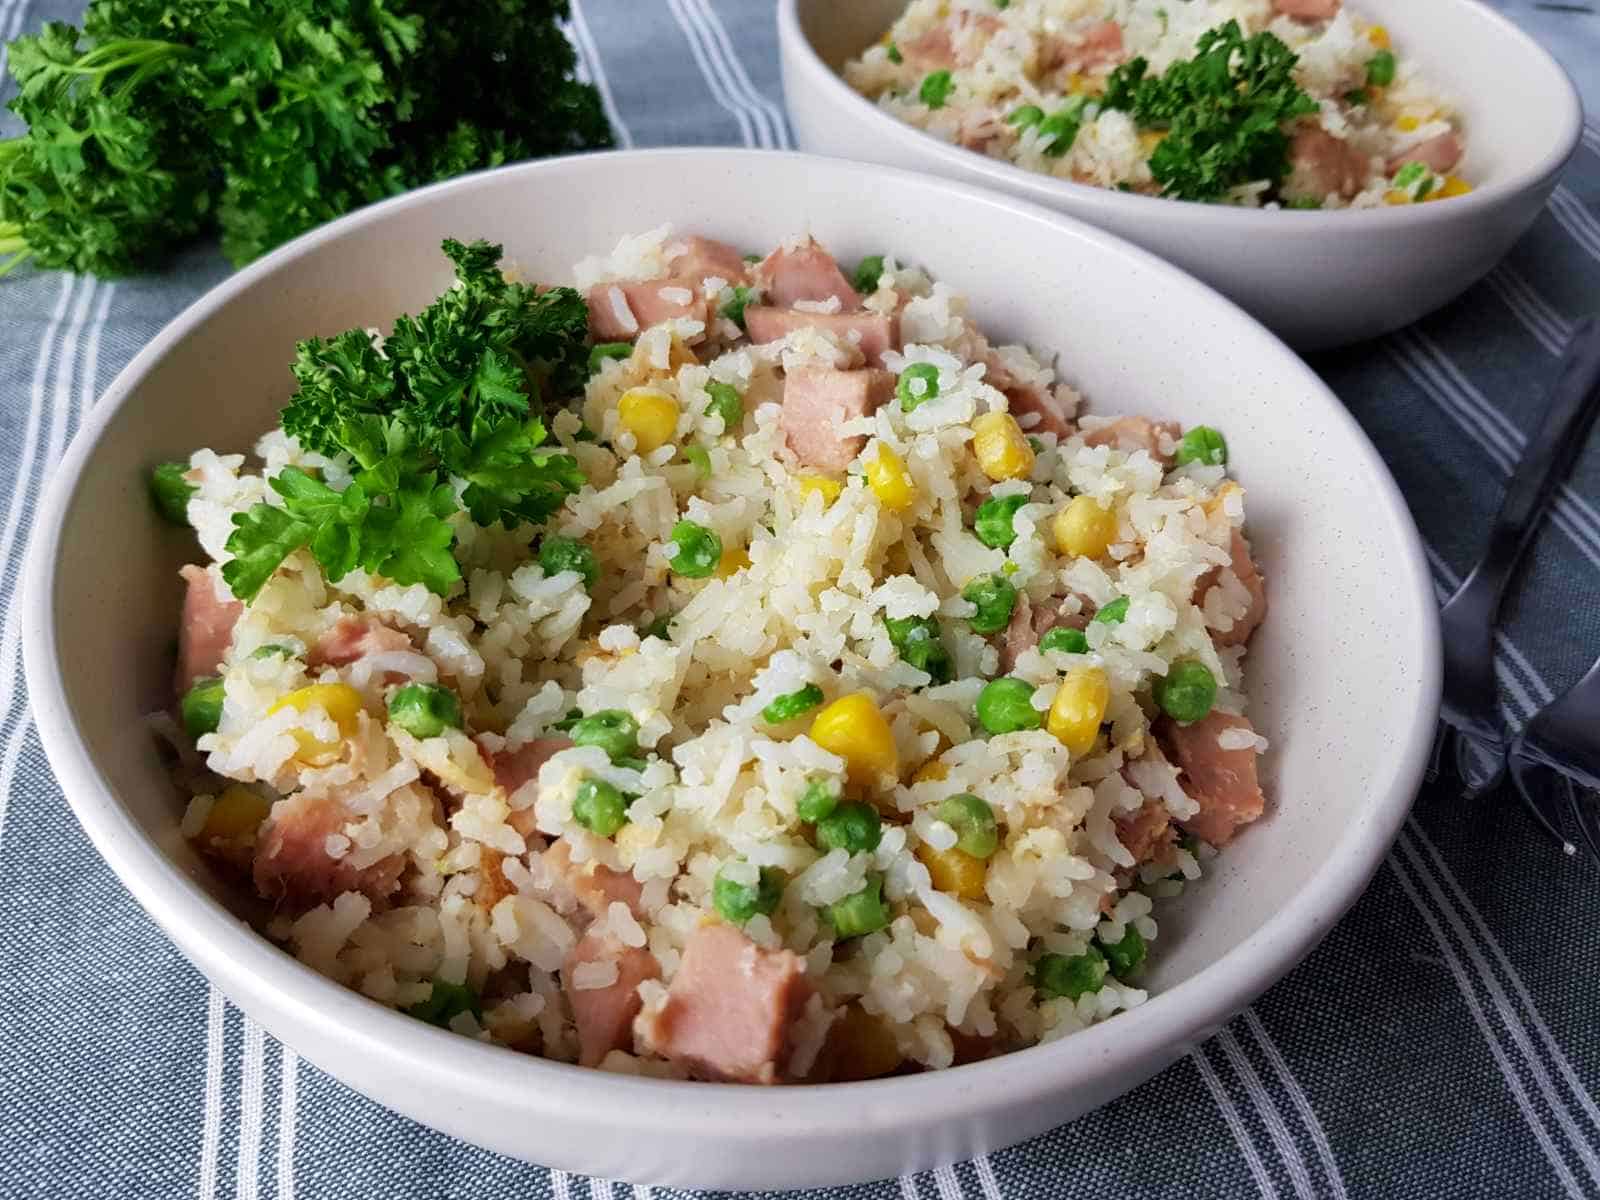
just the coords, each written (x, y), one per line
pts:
(1150, 139)
(1394, 196)
(235, 814)
(651, 416)
(340, 701)
(854, 729)
(1454, 185)
(734, 559)
(828, 489)
(1003, 452)
(890, 481)
(1078, 709)
(1083, 529)
(1407, 123)
(954, 871)
(932, 769)
(1378, 36)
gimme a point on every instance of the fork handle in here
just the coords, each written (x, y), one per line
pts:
(1549, 454)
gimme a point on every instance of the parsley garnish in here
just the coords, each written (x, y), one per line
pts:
(453, 402)
(1223, 112)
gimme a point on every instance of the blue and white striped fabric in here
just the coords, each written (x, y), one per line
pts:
(1443, 1041)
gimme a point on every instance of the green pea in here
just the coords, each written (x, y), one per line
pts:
(995, 597)
(894, 54)
(661, 628)
(574, 715)
(734, 307)
(1380, 69)
(973, 820)
(868, 271)
(1057, 975)
(819, 799)
(558, 554)
(917, 641)
(1114, 613)
(993, 522)
(425, 710)
(1187, 691)
(935, 89)
(1066, 640)
(1026, 116)
(201, 706)
(1006, 705)
(1203, 445)
(273, 650)
(613, 730)
(1355, 97)
(699, 458)
(1035, 444)
(737, 902)
(170, 491)
(862, 913)
(853, 828)
(599, 354)
(446, 1001)
(699, 550)
(1301, 202)
(791, 704)
(1410, 173)
(1125, 956)
(725, 403)
(918, 383)
(599, 807)
(1060, 129)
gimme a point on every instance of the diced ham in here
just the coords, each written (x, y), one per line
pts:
(1222, 782)
(703, 258)
(1095, 45)
(728, 1012)
(1146, 833)
(1128, 434)
(1245, 568)
(620, 312)
(513, 768)
(872, 332)
(205, 631)
(1027, 398)
(789, 275)
(1029, 623)
(293, 867)
(595, 886)
(1321, 165)
(355, 637)
(1439, 154)
(948, 44)
(604, 1015)
(818, 400)
(1307, 10)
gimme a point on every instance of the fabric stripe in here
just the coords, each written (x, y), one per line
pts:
(1301, 1103)
(945, 1181)
(714, 79)
(1514, 665)
(908, 1188)
(589, 56)
(712, 24)
(560, 1185)
(288, 1116)
(248, 1167)
(1267, 1109)
(1535, 313)
(1235, 1123)
(1572, 216)
(986, 1179)
(211, 1130)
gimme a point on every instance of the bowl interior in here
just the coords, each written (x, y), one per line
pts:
(1342, 676)
(1513, 98)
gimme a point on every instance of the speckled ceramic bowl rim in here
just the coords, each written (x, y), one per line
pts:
(243, 962)
(1090, 202)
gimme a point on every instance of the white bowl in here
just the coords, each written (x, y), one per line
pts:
(1344, 677)
(1318, 278)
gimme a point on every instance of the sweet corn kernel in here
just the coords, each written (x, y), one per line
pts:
(1378, 36)
(1002, 449)
(339, 700)
(889, 479)
(932, 769)
(651, 416)
(734, 559)
(954, 871)
(854, 729)
(1393, 196)
(1454, 185)
(1407, 123)
(1078, 709)
(235, 814)
(1083, 529)
(828, 489)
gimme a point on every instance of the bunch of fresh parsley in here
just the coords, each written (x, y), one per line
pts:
(162, 119)
(1223, 112)
(451, 405)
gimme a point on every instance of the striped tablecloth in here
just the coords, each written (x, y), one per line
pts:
(1443, 1041)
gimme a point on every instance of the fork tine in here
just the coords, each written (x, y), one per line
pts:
(1519, 772)
(1587, 818)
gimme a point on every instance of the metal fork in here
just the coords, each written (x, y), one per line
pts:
(1560, 747)
(1473, 734)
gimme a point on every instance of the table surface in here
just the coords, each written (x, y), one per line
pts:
(1443, 1040)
